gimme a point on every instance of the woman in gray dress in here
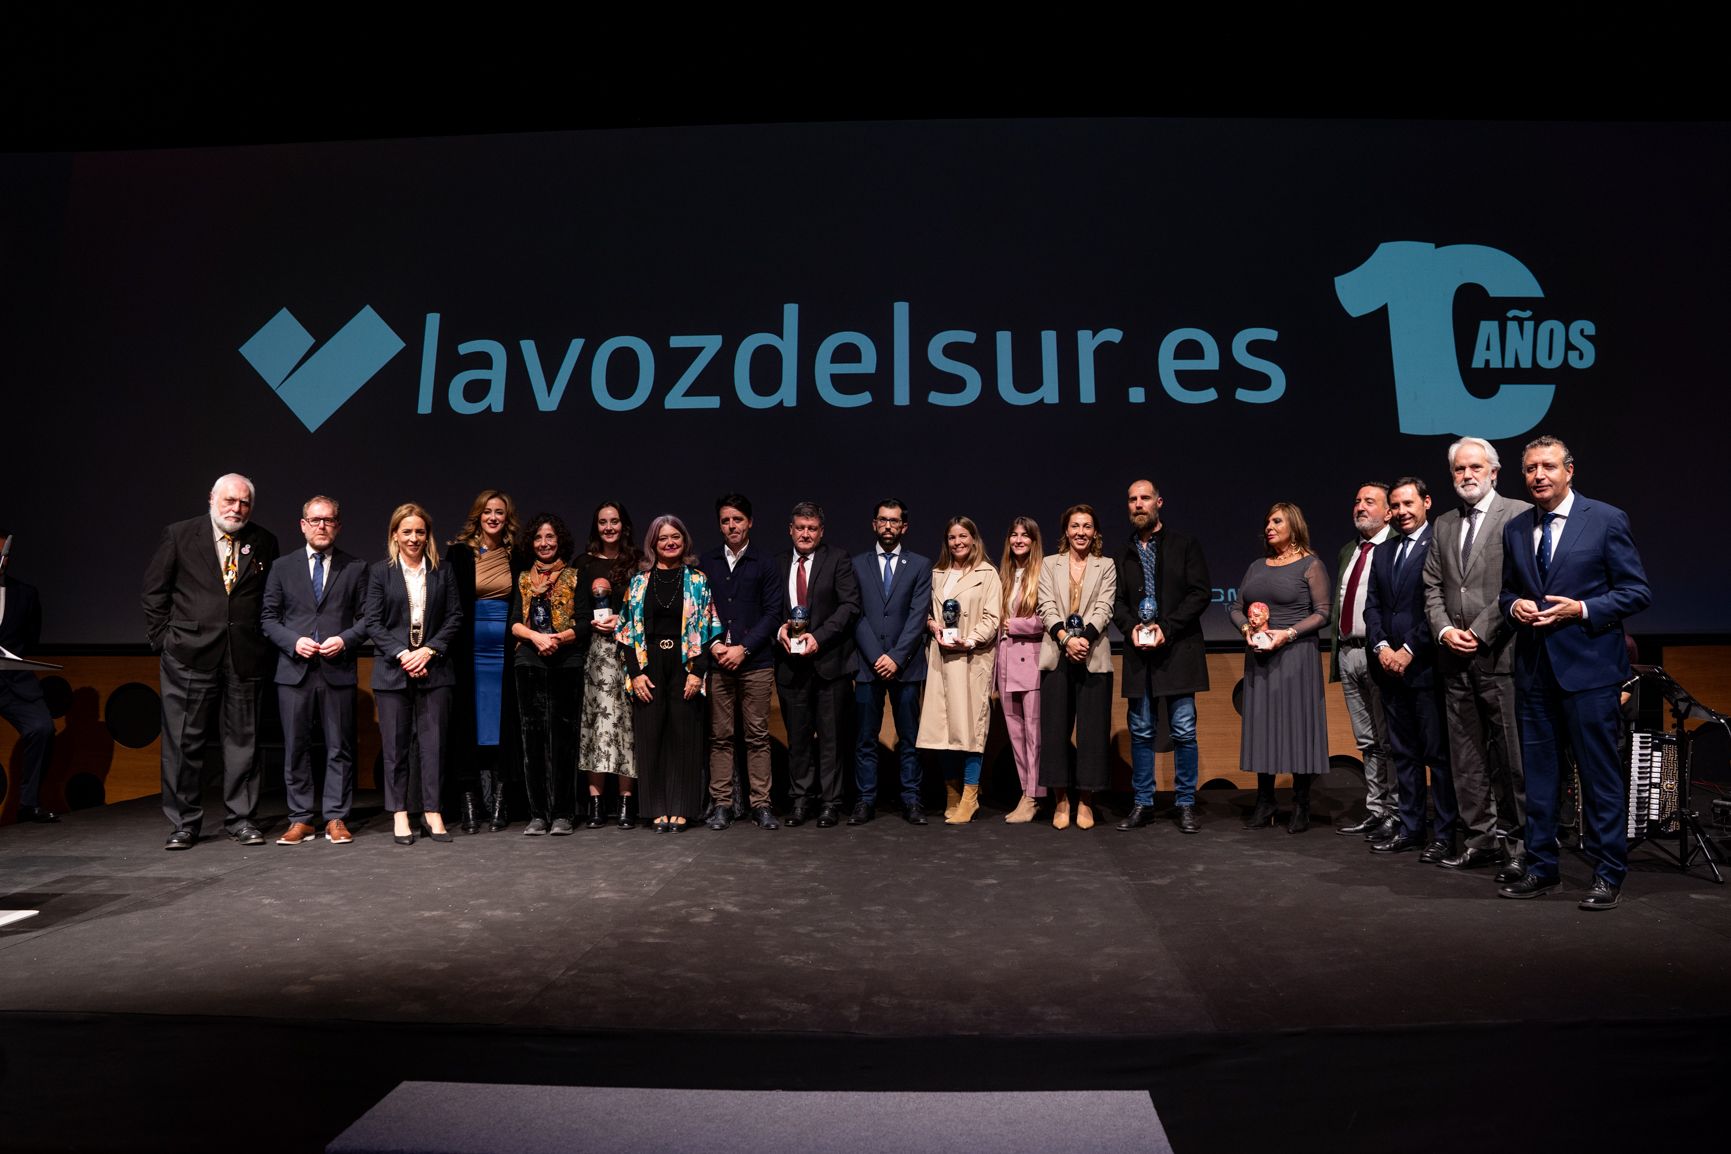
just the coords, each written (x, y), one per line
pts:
(1285, 727)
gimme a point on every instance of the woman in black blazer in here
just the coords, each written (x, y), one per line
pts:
(413, 616)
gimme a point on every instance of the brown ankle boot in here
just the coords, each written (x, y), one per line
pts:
(952, 799)
(1024, 811)
(967, 807)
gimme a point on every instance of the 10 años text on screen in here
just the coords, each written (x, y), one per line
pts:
(625, 371)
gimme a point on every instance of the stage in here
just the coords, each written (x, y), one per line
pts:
(1268, 991)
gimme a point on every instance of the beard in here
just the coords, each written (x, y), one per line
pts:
(1472, 492)
(228, 524)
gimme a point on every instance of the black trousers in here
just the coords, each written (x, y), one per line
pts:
(22, 704)
(1071, 696)
(412, 725)
(550, 704)
(812, 709)
(203, 709)
(668, 733)
(315, 703)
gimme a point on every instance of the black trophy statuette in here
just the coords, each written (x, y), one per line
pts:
(541, 614)
(797, 623)
(952, 616)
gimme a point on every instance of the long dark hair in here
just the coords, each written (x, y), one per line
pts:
(625, 565)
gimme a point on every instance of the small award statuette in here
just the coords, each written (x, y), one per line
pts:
(602, 594)
(952, 615)
(797, 623)
(1146, 609)
(1074, 625)
(1258, 617)
(540, 614)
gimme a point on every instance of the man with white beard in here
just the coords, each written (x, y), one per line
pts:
(1463, 577)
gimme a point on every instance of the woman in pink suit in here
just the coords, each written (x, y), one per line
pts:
(1017, 677)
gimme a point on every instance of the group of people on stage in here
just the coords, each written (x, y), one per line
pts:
(642, 666)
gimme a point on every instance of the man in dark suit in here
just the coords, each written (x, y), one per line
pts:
(313, 609)
(746, 587)
(1463, 576)
(1571, 574)
(21, 700)
(203, 590)
(1403, 657)
(811, 670)
(1165, 666)
(895, 589)
(1350, 664)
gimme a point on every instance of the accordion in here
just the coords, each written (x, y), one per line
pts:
(1652, 780)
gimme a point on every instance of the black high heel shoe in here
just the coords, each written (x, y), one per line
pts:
(427, 832)
(1260, 817)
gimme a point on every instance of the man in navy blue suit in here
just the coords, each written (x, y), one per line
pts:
(1403, 661)
(890, 652)
(1571, 574)
(313, 613)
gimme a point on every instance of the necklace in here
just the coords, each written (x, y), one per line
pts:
(663, 580)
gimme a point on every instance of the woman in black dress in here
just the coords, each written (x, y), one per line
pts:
(665, 631)
(1285, 726)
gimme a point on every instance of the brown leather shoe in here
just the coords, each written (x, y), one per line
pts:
(337, 833)
(297, 833)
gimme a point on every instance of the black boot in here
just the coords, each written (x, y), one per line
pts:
(597, 811)
(471, 812)
(1300, 804)
(628, 811)
(500, 818)
(1263, 814)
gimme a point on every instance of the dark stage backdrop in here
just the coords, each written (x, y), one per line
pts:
(988, 318)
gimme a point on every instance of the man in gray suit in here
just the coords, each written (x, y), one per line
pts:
(1463, 576)
(313, 609)
(1349, 664)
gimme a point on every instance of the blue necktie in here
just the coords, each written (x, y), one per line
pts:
(1545, 547)
(1150, 576)
(889, 569)
(1400, 555)
(318, 587)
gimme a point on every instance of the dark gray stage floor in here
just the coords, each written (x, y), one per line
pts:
(1143, 946)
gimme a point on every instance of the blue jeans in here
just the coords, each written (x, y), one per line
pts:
(904, 698)
(963, 764)
(1185, 759)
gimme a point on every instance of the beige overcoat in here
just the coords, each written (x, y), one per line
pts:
(958, 707)
(1099, 587)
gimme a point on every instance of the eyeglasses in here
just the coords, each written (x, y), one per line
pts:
(319, 522)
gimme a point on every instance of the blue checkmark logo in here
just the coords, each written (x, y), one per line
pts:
(315, 387)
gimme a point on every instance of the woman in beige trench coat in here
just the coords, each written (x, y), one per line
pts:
(958, 706)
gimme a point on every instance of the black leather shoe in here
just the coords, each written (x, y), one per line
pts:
(829, 816)
(443, 838)
(1370, 822)
(1514, 871)
(1387, 829)
(1471, 858)
(863, 812)
(765, 818)
(1300, 820)
(471, 812)
(1187, 822)
(36, 815)
(1398, 845)
(628, 811)
(913, 814)
(1437, 851)
(720, 817)
(598, 816)
(1530, 886)
(799, 814)
(1262, 815)
(1603, 896)
(1139, 816)
(247, 835)
(180, 839)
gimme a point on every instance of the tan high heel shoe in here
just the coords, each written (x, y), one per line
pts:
(952, 799)
(1060, 810)
(1084, 813)
(967, 807)
(1024, 811)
